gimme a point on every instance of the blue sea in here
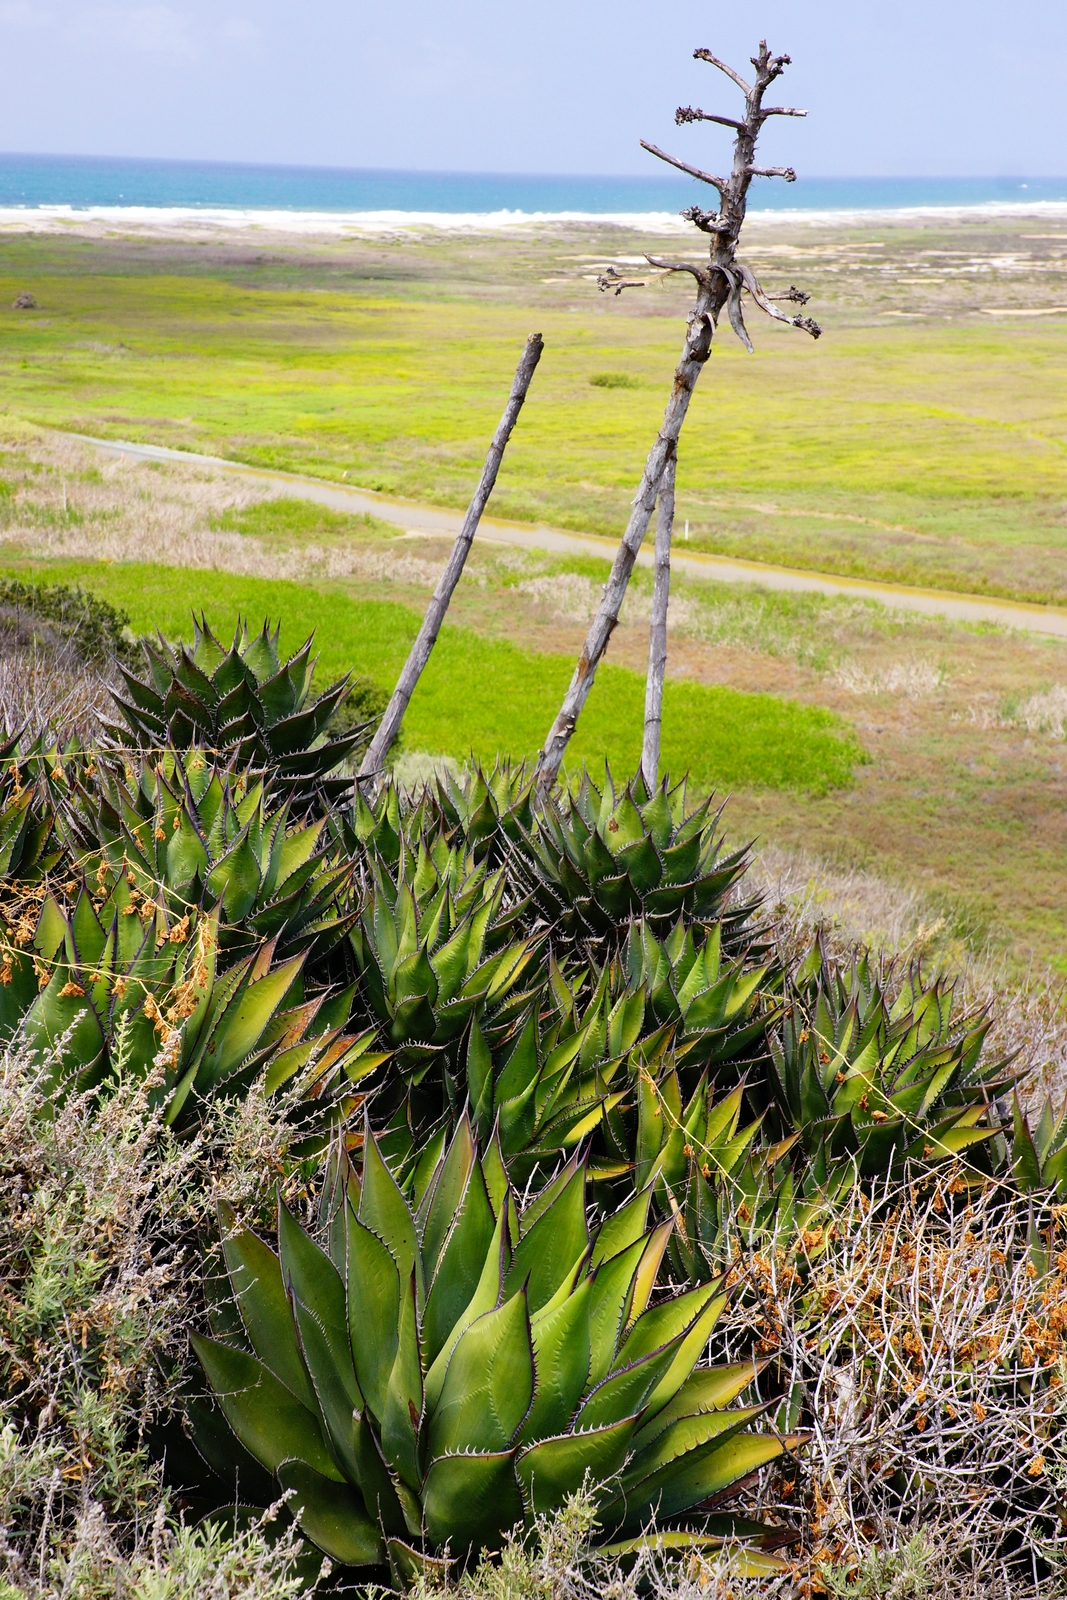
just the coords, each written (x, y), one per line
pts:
(223, 190)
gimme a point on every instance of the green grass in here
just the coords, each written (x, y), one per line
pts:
(933, 455)
(487, 697)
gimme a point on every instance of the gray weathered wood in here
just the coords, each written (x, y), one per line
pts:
(383, 740)
(719, 285)
(657, 632)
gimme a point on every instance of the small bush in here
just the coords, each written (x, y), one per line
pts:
(614, 380)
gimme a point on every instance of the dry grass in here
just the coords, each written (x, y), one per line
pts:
(101, 1215)
(51, 690)
(922, 1341)
(99, 508)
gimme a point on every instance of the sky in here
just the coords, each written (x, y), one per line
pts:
(910, 88)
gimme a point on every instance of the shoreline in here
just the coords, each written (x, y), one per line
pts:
(172, 220)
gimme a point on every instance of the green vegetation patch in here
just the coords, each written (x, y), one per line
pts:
(287, 519)
(487, 697)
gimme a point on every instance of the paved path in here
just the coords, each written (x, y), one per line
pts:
(422, 520)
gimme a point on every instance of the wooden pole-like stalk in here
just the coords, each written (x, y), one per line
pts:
(657, 632)
(381, 744)
(719, 285)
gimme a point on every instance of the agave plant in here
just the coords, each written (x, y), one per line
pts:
(32, 778)
(245, 702)
(602, 859)
(490, 811)
(120, 985)
(191, 835)
(435, 949)
(1039, 1155)
(857, 1074)
(447, 1371)
(543, 1086)
(719, 1008)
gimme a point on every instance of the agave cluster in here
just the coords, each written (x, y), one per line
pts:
(602, 859)
(121, 985)
(243, 701)
(447, 1369)
(560, 1073)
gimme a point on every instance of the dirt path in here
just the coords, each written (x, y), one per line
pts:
(419, 521)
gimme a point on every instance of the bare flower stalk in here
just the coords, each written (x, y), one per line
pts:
(720, 284)
(657, 631)
(389, 727)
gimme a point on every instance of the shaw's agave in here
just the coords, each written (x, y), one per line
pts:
(192, 834)
(121, 984)
(600, 859)
(444, 1372)
(243, 701)
(860, 1075)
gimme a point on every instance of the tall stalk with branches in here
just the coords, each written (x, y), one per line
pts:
(720, 285)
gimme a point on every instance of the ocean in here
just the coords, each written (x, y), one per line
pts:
(306, 198)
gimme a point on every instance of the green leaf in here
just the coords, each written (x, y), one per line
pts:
(696, 1477)
(485, 1298)
(373, 1295)
(186, 856)
(1025, 1162)
(461, 1263)
(258, 1290)
(607, 1306)
(402, 1414)
(333, 1516)
(383, 1209)
(239, 1029)
(265, 1415)
(318, 1300)
(549, 1251)
(488, 1385)
(469, 1501)
(623, 1394)
(561, 1362)
(681, 1438)
(235, 879)
(554, 1468)
(707, 1389)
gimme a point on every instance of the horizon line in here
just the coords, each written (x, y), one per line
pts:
(462, 172)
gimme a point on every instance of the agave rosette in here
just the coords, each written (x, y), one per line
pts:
(245, 702)
(435, 948)
(115, 988)
(859, 1074)
(191, 834)
(448, 1368)
(543, 1086)
(599, 859)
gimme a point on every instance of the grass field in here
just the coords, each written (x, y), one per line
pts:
(487, 697)
(930, 451)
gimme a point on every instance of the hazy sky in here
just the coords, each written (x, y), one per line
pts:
(911, 87)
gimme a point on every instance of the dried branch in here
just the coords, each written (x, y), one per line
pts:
(389, 726)
(657, 632)
(719, 285)
(676, 266)
(686, 114)
(706, 55)
(683, 166)
(613, 280)
(788, 173)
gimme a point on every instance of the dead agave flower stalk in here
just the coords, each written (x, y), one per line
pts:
(720, 285)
